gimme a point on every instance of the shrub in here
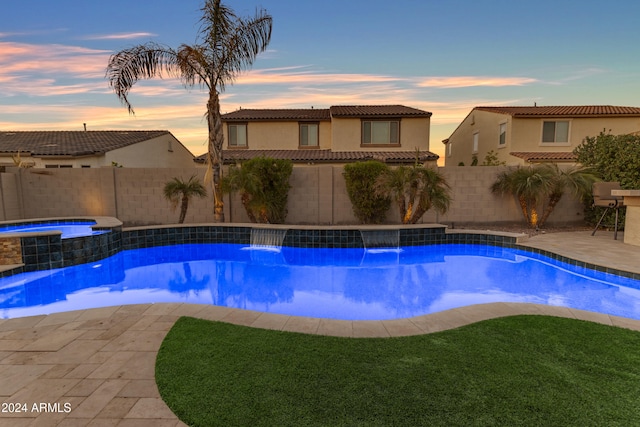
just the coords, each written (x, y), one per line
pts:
(360, 177)
(616, 158)
(263, 184)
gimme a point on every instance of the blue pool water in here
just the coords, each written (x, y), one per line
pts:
(349, 284)
(68, 229)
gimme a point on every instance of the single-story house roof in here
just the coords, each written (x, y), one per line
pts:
(72, 143)
(545, 156)
(566, 111)
(324, 156)
(320, 114)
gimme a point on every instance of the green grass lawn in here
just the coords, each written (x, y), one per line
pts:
(514, 371)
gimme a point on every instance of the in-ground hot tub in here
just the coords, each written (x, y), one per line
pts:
(46, 243)
(68, 228)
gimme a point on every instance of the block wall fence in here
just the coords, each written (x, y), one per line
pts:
(317, 196)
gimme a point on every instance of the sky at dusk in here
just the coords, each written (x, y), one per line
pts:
(442, 56)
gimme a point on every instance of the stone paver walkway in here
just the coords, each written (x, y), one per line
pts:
(96, 367)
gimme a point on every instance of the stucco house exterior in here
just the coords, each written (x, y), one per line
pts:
(336, 135)
(523, 135)
(92, 149)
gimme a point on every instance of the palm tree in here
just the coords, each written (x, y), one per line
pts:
(248, 183)
(577, 179)
(178, 190)
(263, 183)
(529, 185)
(226, 45)
(532, 185)
(415, 189)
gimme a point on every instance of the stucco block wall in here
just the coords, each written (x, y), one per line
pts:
(62, 192)
(318, 196)
(10, 203)
(140, 199)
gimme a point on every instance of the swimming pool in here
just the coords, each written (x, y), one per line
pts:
(336, 283)
(69, 229)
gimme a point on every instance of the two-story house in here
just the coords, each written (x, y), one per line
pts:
(337, 135)
(522, 135)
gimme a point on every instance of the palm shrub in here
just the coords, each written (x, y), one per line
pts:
(263, 184)
(414, 189)
(368, 206)
(179, 191)
(544, 183)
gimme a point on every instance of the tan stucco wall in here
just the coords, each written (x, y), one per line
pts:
(279, 135)
(338, 135)
(487, 126)
(347, 135)
(164, 151)
(524, 135)
(528, 132)
(317, 196)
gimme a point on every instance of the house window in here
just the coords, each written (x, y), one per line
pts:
(476, 138)
(309, 134)
(557, 131)
(237, 135)
(381, 132)
(449, 150)
(57, 166)
(503, 135)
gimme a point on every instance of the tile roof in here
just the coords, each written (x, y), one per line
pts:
(324, 156)
(72, 143)
(283, 114)
(566, 111)
(364, 111)
(545, 156)
(371, 111)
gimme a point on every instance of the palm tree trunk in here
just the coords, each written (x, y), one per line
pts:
(554, 198)
(407, 214)
(401, 207)
(246, 199)
(420, 211)
(525, 209)
(214, 154)
(183, 208)
(533, 219)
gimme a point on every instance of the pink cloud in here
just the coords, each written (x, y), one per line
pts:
(120, 36)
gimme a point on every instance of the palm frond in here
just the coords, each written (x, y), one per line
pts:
(144, 61)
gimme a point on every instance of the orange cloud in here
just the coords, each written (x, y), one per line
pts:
(285, 76)
(471, 81)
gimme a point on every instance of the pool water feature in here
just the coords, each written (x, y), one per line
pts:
(267, 238)
(380, 238)
(336, 283)
(69, 229)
